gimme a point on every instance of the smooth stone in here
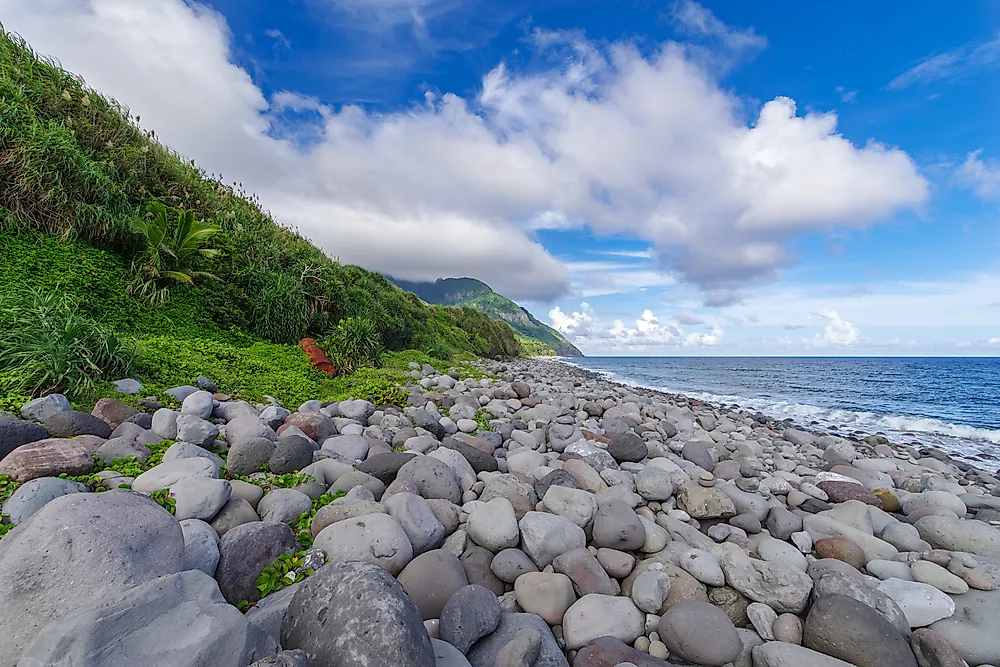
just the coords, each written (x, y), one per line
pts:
(617, 564)
(703, 566)
(974, 537)
(372, 538)
(165, 475)
(547, 595)
(546, 536)
(577, 505)
(417, 520)
(616, 526)
(476, 561)
(510, 564)
(782, 523)
(852, 631)
(586, 573)
(32, 496)
(493, 525)
(932, 649)
(650, 590)
(928, 573)
(180, 619)
(283, 506)
(484, 652)
(201, 546)
(433, 478)
(244, 552)
(762, 618)
(521, 651)
(611, 652)
(355, 613)
(974, 627)
(780, 654)
(50, 458)
(431, 579)
(788, 628)
(856, 588)
(234, 513)
(40, 409)
(472, 613)
(594, 616)
(922, 604)
(776, 551)
(841, 549)
(889, 569)
(71, 423)
(784, 588)
(705, 503)
(701, 633)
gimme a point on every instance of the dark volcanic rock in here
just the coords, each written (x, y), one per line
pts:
(72, 423)
(854, 632)
(14, 433)
(385, 466)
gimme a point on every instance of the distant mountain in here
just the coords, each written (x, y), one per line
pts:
(477, 294)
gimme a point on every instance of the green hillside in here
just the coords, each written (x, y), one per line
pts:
(79, 177)
(473, 293)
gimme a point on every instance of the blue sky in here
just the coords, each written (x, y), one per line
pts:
(650, 177)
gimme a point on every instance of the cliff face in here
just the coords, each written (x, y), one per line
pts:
(477, 294)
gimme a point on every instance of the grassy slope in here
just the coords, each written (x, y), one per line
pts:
(76, 170)
(473, 293)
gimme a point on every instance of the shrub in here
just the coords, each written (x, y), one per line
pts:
(279, 311)
(354, 343)
(46, 345)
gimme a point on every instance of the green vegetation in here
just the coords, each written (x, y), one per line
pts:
(303, 527)
(541, 339)
(144, 246)
(354, 343)
(163, 499)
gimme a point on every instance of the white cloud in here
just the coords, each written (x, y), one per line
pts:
(648, 333)
(695, 18)
(642, 145)
(950, 65)
(846, 96)
(982, 176)
(994, 341)
(836, 332)
(576, 324)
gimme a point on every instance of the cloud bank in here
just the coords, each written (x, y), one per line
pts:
(642, 144)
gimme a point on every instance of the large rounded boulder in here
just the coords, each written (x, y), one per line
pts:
(356, 614)
(77, 550)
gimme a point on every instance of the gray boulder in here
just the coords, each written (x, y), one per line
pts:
(372, 538)
(247, 456)
(246, 426)
(196, 430)
(417, 519)
(179, 620)
(283, 506)
(616, 526)
(122, 448)
(199, 403)
(34, 495)
(201, 546)
(71, 423)
(468, 616)
(77, 550)
(199, 497)
(356, 614)
(165, 423)
(851, 631)
(14, 433)
(431, 579)
(433, 478)
(40, 409)
(244, 552)
(292, 453)
(484, 652)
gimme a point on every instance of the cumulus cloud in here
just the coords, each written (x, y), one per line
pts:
(836, 332)
(645, 145)
(982, 176)
(648, 332)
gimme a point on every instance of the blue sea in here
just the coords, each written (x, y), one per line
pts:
(949, 403)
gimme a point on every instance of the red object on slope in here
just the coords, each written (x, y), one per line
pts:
(317, 357)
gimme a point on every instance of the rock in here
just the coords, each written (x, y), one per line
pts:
(269, 612)
(654, 483)
(616, 526)
(704, 503)
(185, 450)
(699, 632)
(348, 447)
(199, 404)
(433, 478)
(77, 550)
(974, 537)
(935, 575)
(841, 549)
(819, 526)
(49, 458)
(890, 501)
(698, 454)
(616, 563)
(167, 474)
(431, 579)
(201, 546)
(121, 448)
(762, 618)
(384, 466)
(521, 651)
(776, 551)
(199, 497)
(372, 538)
(922, 604)
(510, 564)
(855, 587)
(650, 590)
(113, 412)
(783, 588)
(586, 573)
(165, 423)
(934, 499)
(545, 536)
(493, 525)
(246, 426)
(974, 627)
(355, 613)
(484, 653)
(594, 616)
(780, 654)
(476, 561)
(932, 649)
(291, 454)
(545, 594)
(575, 504)
(34, 495)
(788, 628)
(284, 659)
(196, 430)
(731, 602)
(14, 433)
(479, 460)
(626, 447)
(179, 619)
(283, 506)
(469, 615)
(839, 492)
(610, 652)
(244, 552)
(234, 513)
(781, 523)
(851, 631)
(703, 566)
(446, 655)
(418, 521)
(40, 409)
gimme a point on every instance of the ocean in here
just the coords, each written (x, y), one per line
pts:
(949, 403)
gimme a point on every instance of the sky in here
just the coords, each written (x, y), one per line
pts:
(651, 178)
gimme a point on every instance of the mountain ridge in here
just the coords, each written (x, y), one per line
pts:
(476, 294)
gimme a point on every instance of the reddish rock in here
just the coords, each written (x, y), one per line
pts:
(842, 549)
(50, 458)
(840, 492)
(317, 357)
(608, 652)
(595, 437)
(113, 412)
(481, 444)
(316, 425)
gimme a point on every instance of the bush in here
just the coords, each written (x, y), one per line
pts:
(47, 346)
(354, 343)
(278, 310)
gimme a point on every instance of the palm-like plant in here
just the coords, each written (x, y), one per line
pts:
(354, 343)
(168, 257)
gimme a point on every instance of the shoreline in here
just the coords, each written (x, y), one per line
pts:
(981, 452)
